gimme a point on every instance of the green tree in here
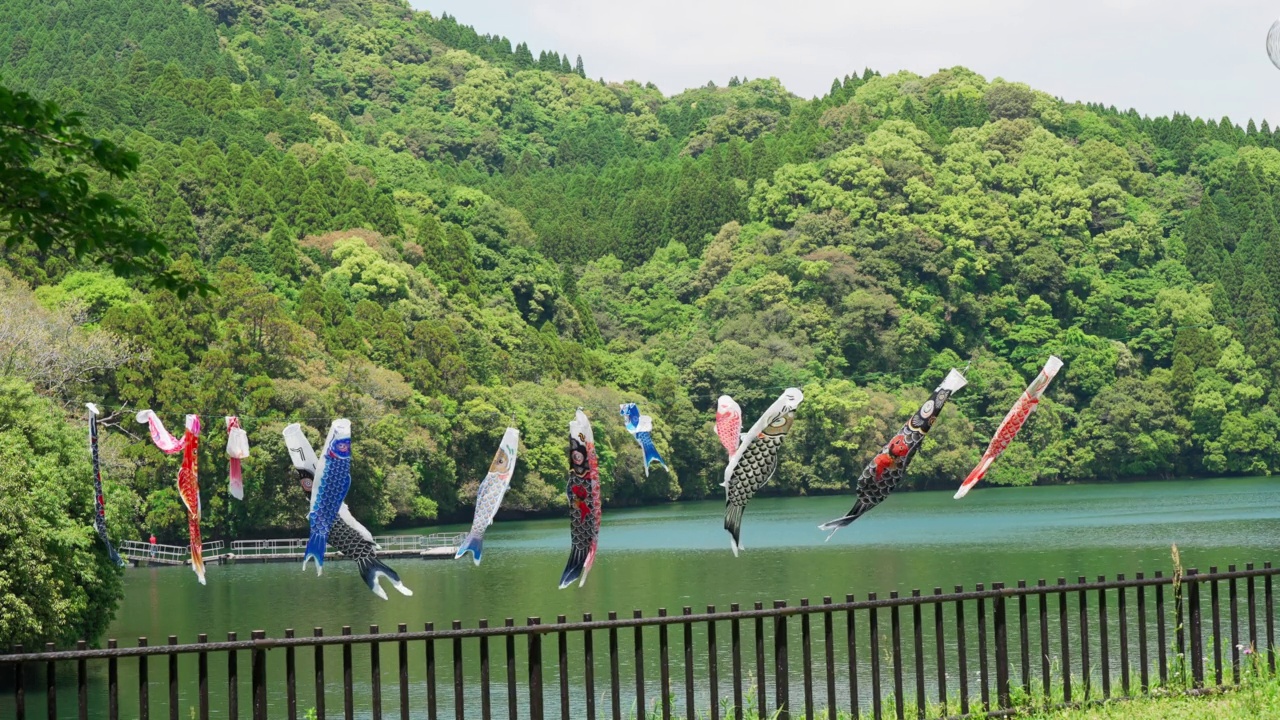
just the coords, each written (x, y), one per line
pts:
(57, 583)
(46, 198)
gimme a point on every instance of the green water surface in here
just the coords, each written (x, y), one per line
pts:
(678, 555)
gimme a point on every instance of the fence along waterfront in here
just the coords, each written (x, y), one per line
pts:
(928, 655)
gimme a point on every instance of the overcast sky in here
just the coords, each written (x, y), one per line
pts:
(1207, 58)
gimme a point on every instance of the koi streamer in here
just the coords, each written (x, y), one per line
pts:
(641, 428)
(99, 501)
(882, 475)
(188, 478)
(753, 457)
(237, 450)
(348, 537)
(489, 497)
(333, 479)
(584, 502)
(1012, 423)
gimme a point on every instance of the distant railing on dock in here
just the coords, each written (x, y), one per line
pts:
(390, 545)
(984, 652)
(139, 551)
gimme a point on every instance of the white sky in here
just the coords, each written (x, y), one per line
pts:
(1206, 57)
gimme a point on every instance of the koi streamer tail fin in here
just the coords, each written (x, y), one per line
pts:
(372, 568)
(315, 551)
(733, 523)
(197, 548)
(473, 543)
(235, 477)
(858, 510)
(974, 476)
(115, 556)
(580, 560)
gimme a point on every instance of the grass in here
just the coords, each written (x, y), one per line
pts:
(1251, 701)
(1257, 696)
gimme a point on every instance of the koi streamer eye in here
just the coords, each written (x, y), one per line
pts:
(499, 461)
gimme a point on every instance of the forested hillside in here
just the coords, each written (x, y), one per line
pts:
(432, 232)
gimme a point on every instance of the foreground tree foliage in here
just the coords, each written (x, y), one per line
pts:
(56, 583)
(432, 232)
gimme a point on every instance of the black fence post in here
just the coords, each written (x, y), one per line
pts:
(459, 676)
(1271, 619)
(984, 667)
(690, 703)
(1162, 640)
(1251, 597)
(664, 667)
(233, 681)
(615, 688)
(173, 681)
(513, 701)
(1233, 596)
(962, 655)
(113, 685)
(713, 666)
(144, 684)
(1216, 624)
(1086, 676)
(1064, 641)
(851, 639)
(375, 674)
(348, 682)
(873, 631)
(642, 709)
(82, 682)
(828, 643)
(762, 696)
(51, 685)
(319, 664)
(402, 656)
(735, 641)
(806, 661)
(1123, 609)
(1192, 589)
(588, 669)
(562, 661)
(781, 677)
(291, 677)
(1001, 621)
(535, 669)
(1024, 643)
(1043, 607)
(1104, 641)
(1144, 654)
(940, 645)
(895, 636)
(20, 690)
(258, 676)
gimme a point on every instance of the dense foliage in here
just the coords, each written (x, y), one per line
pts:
(426, 230)
(56, 585)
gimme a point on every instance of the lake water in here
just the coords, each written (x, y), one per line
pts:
(675, 555)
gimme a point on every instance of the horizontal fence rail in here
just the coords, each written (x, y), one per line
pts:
(996, 650)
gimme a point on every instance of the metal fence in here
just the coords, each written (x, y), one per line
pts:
(169, 554)
(993, 651)
(294, 548)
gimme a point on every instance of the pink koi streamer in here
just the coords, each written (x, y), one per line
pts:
(188, 476)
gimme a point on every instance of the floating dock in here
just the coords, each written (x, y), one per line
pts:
(438, 546)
